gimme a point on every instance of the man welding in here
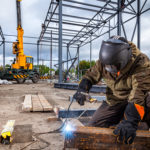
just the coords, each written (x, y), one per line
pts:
(126, 72)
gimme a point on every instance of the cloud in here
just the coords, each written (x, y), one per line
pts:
(33, 15)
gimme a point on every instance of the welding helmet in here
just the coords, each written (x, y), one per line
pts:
(115, 53)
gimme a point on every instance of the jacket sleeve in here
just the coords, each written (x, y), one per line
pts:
(94, 74)
(140, 82)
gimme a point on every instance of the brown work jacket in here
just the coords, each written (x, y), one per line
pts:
(132, 84)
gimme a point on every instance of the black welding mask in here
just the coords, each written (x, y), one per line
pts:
(115, 54)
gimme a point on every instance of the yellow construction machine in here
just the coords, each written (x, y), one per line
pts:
(22, 66)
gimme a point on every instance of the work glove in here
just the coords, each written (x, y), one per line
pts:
(83, 89)
(126, 129)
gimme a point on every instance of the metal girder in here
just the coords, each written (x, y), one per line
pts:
(100, 11)
(107, 1)
(46, 23)
(77, 24)
(108, 31)
(87, 4)
(83, 8)
(3, 43)
(74, 86)
(75, 113)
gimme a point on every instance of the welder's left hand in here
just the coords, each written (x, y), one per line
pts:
(125, 132)
(126, 129)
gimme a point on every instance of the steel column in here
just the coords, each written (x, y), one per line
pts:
(51, 55)
(138, 24)
(119, 18)
(38, 55)
(60, 42)
(67, 55)
(78, 63)
(90, 50)
(3, 54)
(109, 29)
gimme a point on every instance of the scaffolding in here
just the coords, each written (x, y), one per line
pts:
(2, 43)
(74, 31)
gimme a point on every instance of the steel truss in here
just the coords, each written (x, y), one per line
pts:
(76, 30)
(2, 43)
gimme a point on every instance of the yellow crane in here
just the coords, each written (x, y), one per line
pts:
(22, 66)
(22, 61)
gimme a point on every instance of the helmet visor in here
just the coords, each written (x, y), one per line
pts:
(111, 68)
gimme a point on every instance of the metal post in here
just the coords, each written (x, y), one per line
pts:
(60, 41)
(67, 55)
(90, 50)
(138, 24)
(119, 18)
(38, 55)
(109, 29)
(51, 55)
(3, 54)
(78, 63)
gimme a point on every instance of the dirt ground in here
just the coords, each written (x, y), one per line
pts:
(11, 99)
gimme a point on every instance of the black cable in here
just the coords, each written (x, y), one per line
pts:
(58, 130)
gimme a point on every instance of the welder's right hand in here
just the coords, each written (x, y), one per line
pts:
(79, 97)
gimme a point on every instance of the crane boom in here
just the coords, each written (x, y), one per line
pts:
(18, 12)
(22, 61)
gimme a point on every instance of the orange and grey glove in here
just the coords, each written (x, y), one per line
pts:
(83, 89)
(126, 129)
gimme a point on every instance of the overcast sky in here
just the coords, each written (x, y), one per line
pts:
(33, 15)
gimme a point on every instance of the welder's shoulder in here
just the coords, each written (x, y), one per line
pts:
(143, 65)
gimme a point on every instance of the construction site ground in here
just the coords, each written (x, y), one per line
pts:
(11, 99)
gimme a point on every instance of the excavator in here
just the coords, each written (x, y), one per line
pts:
(22, 66)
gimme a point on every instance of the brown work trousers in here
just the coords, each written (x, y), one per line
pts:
(109, 116)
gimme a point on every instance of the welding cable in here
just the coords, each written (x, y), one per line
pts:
(63, 124)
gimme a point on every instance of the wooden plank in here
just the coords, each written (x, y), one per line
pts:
(45, 104)
(27, 104)
(102, 138)
(53, 118)
(36, 103)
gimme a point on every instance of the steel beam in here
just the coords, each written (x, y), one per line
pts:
(138, 24)
(85, 9)
(87, 4)
(4, 54)
(38, 55)
(74, 86)
(60, 42)
(51, 49)
(96, 138)
(76, 113)
(67, 55)
(78, 73)
(119, 18)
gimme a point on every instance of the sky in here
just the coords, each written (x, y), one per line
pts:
(33, 15)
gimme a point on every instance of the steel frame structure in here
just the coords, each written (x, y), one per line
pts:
(2, 43)
(75, 31)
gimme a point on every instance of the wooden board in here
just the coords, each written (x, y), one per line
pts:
(94, 138)
(45, 104)
(36, 103)
(27, 104)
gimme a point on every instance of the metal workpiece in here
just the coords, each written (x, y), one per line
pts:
(73, 30)
(74, 86)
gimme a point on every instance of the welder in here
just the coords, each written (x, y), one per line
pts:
(126, 72)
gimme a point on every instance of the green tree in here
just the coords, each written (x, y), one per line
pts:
(42, 69)
(84, 65)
